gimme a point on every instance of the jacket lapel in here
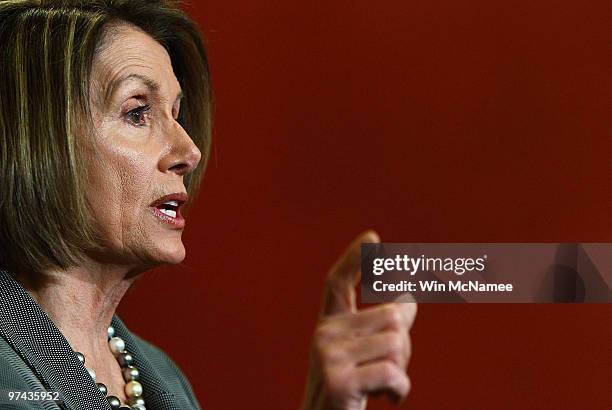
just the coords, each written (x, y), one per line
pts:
(26, 327)
(30, 332)
(155, 390)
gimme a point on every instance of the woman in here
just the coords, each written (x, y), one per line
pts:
(105, 125)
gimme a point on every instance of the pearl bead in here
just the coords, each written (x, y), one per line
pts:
(114, 402)
(130, 373)
(125, 358)
(92, 373)
(117, 345)
(133, 389)
(102, 388)
(136, 401)
(80, 356)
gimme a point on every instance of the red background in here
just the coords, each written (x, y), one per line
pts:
(427, 121)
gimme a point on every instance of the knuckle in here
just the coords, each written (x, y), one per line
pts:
(388, 372)
(405, 356)
(393, 316)
(395, 343)
(336, 383)
(331, 354)
(397, 350)
(403, 387)
(408, 348)
(408, 386)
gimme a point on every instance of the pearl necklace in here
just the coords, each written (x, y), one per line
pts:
(133, 388)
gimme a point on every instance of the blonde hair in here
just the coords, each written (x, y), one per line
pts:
(45, 65)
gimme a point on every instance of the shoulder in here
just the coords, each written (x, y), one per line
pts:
(14, 372)
(16, 376)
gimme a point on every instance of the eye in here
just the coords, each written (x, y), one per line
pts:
(138, 115)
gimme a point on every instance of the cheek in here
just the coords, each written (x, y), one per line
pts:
(135, 174)
(120, 191)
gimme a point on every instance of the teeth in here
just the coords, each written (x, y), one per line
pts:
(172, 203)
(171, 214)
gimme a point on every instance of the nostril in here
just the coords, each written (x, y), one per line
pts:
(180, 168)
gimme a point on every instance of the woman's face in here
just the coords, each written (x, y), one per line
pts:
(141, 153)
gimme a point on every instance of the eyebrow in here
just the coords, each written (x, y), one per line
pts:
(152, 85)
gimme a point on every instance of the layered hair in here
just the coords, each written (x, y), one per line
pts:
(46, 56)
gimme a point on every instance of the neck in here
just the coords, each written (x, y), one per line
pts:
(81, 301)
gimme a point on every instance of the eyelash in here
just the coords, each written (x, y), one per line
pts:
(144, 109)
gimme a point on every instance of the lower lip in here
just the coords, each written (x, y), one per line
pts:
(177, 223)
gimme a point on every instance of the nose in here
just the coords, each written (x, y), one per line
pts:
(182, 155)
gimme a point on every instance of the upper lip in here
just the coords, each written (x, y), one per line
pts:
(179, 197)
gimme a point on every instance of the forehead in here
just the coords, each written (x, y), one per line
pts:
(128, 51)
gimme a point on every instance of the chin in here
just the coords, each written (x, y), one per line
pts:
(173, 254)
(161, 252)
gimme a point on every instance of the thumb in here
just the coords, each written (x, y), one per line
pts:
(339, 295)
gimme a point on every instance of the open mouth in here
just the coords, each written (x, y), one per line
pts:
(168, 208)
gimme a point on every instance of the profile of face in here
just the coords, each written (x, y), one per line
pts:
(140, 153)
